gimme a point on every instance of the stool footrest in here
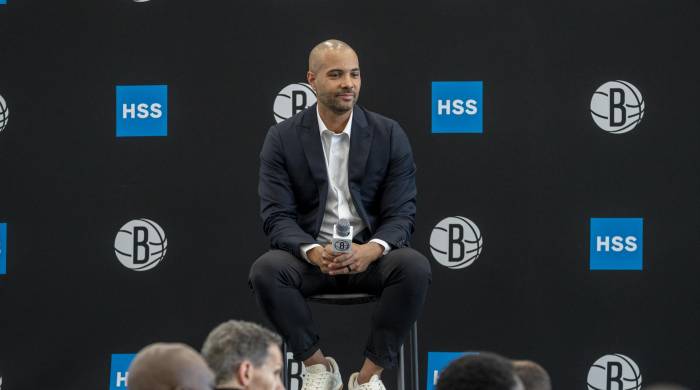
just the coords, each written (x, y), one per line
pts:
(343, 299)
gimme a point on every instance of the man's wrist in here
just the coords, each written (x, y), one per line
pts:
(377, 248)
(385, 246)
(306, 250)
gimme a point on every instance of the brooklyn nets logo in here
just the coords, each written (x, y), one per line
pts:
(617, 107)
(140, 244)
(341, 246)
(456, 242)
(614, 372)
(296, 371)
(4, 114)
(292, 99)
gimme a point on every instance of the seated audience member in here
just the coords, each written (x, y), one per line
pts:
(163, 366)
(483, 371)
(533, 376)
(665, 386)
(244, 356)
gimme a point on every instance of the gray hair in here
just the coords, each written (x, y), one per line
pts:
(233, 342)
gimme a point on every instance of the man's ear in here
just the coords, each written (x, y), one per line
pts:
(245, 373)
(311, 78)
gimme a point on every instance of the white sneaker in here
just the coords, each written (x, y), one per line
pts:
(317, 377)
(374, 383)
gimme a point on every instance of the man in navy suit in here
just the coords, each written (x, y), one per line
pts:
(335, 160)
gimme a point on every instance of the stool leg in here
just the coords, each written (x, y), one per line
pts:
(285, 366)
(400, 374)
(414, 357)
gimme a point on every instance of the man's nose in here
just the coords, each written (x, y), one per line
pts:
(346, 81)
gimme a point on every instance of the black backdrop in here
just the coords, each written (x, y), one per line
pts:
(531, 181)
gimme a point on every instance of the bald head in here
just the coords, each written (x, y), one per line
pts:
(164, 366)
(534, 376)
(318, 53)
(334, 74)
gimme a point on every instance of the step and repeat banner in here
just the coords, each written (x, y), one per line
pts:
(556, 146)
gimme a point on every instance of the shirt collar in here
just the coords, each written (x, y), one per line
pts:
(322, 126)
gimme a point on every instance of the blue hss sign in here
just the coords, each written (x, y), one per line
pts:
(616, 244)
(457, 107)
(142, 110)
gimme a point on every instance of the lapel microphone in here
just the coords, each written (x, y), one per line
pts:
(342, 236)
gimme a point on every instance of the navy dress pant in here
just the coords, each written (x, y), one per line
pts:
(282, 282)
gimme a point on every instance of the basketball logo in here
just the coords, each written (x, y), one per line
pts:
(614, 372)
(140, 244)
(296, 372)
(292, 99)
(4, 114)
(341, 246)
(456, 242)
(617, 107)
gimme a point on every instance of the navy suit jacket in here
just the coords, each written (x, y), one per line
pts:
(294, 182)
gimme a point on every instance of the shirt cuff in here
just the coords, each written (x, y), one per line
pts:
(305, 248)
(383, 243)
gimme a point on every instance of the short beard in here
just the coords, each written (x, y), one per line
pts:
(329, 101)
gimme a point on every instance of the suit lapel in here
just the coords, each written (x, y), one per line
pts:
(311, 142)
(360, 144)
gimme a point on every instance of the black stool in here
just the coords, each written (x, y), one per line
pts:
(356, 299)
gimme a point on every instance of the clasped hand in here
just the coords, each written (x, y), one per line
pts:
(355, 261)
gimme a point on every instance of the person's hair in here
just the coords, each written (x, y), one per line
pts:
(665, 386)
(233, 342)
(483, 371)
(533, 376)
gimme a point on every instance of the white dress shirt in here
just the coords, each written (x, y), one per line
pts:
(336, 151)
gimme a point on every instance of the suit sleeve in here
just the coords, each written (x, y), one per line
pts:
(278, 208)
(398, 193)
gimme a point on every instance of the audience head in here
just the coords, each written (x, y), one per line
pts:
(665, 386)
(245, 356)
(164, 366)
(483, 371)
(533, 376)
